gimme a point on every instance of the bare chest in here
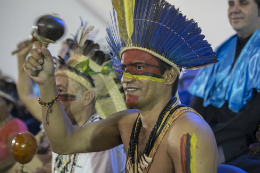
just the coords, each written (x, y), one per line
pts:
(161, 161)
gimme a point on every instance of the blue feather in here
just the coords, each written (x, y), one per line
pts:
(160, 27)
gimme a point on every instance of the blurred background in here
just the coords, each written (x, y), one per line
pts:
(18, 16)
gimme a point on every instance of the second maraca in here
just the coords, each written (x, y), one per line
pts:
(24, 147)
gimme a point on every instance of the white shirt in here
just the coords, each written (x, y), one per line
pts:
(109, 161)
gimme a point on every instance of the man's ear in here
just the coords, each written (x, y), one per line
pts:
(88, 96)
(170, 76)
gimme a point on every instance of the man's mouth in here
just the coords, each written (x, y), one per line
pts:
(129, 91)
(236, 18)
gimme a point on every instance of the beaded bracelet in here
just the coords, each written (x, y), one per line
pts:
(49, 105)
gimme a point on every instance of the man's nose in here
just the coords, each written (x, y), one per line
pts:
(235, 8)
(127, 78)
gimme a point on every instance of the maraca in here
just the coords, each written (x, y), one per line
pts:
(24, 147)
(48, 29)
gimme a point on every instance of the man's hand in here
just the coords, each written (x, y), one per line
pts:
(24, 49)
(254, 148)
(36, 62)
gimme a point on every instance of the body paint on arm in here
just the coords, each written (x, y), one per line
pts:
(188, 155)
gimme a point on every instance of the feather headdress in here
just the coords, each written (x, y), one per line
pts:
(156, 27)
(89, 66)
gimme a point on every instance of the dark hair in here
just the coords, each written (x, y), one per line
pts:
(15, 111)
(258, 3)
(165, 67)
(9, 87)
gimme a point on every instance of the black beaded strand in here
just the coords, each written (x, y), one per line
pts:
(135, 132)
(152, 138)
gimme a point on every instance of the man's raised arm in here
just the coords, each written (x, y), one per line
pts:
(24, 84)
(65, 138)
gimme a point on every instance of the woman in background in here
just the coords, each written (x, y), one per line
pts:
(9, 126)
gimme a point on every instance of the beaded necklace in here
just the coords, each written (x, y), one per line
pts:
(158, 127)
(62, 165)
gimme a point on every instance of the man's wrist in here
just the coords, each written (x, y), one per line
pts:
(48, 89)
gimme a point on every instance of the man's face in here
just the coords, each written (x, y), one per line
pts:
(69, 96)
(243, 15)
(142, 81)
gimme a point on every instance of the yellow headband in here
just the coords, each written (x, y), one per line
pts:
(102, 83)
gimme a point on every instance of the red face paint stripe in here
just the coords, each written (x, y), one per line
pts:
(183, 155)
(133, 58)
(67, 97)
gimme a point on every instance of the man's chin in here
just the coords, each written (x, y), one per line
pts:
(132, 100)
(237, 27)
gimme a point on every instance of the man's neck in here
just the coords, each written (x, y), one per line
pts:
(83, 117)
(149, 117)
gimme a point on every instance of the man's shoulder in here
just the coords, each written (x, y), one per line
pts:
(125, 114)
(190, 123)
(125, 117)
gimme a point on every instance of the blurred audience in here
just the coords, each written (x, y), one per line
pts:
(9, 125)
(41, 163)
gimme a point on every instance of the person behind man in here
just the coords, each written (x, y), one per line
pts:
(86, 96)
(9, 125)
(227, 93)
(42, 161)
(153, 41)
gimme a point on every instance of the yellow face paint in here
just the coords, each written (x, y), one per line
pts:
(142, 77)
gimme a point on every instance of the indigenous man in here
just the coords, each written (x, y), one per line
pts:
(227, 94)
(154, 42)
(85, 98)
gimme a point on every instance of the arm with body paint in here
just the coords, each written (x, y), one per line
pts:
(65, 138)
(192, 145)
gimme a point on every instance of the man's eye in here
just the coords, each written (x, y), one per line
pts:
(139, 67)
(231, 3)
(123, 68)
(243, 2)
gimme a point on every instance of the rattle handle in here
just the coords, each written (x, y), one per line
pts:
(21, 167)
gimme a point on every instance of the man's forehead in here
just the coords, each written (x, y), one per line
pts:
(135, 56)
(66, 82)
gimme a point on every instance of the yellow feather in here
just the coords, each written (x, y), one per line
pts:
(129, 8)
(85, 34)
(125, 14)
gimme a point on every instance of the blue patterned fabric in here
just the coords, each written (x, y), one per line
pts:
(219, 83)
